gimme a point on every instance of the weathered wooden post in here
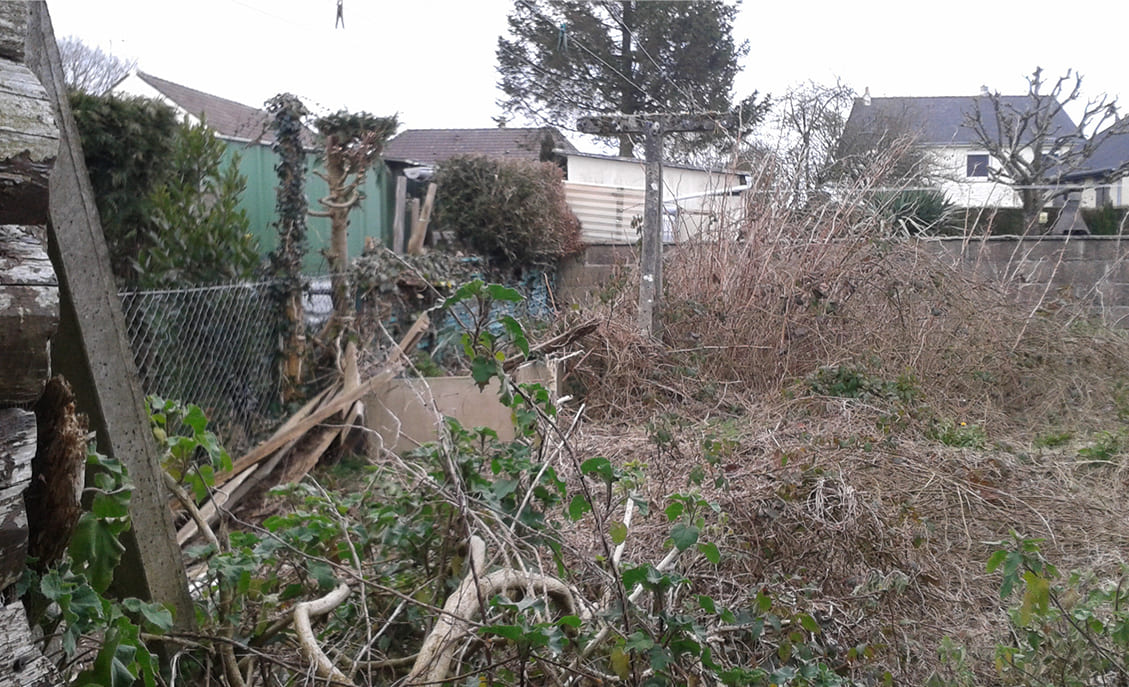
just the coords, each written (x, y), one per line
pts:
(91, 349)
(653, 127)
(29, 314)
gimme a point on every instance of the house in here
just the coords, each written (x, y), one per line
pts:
(960, 164)
(1100, 187)
(604, 191)
(246, 131)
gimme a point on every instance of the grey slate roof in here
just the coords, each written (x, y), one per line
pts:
(936, 120)
(227, 118)
(1110, 154)
(428, 146)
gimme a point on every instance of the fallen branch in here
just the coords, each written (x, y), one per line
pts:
(308, 642)
(433, 663)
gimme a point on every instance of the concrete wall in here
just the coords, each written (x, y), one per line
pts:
(1092, 269)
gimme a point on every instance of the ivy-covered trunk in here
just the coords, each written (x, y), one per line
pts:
(286, 260)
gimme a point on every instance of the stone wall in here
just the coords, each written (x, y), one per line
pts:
(1093, 270)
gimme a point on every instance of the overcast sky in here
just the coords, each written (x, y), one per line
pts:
(432, 61)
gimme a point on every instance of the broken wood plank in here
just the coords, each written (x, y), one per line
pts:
(29, 313)
(23, 665)
(398, 239)
(337, 404)
(17, 449)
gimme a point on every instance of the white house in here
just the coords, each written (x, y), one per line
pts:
(937, 123)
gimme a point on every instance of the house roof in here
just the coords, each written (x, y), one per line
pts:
(227, 118)
(1110, 154)
(428, 146)
(936, 120)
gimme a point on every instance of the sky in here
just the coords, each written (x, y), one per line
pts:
(432, 61)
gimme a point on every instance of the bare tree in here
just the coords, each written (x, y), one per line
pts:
(809, 119)
(89, 68)
(1036, 144)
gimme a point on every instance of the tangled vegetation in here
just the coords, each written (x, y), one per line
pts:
(513, 212)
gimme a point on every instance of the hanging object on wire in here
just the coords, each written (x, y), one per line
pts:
(340, 21)
(562, 38)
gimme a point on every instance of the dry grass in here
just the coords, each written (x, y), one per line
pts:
(855, 508)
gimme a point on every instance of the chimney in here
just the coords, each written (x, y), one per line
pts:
(984, 91)
(866, 96)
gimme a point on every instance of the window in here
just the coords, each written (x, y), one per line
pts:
(977, 165)
(1101, 197)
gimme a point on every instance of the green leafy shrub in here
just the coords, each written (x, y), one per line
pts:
(1070, 631)
(197, 233)
(1105, 221)
(128, 147)
(511, 211)
(915, 212)
(168, 207)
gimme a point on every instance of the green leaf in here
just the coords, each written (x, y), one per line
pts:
(674, 511)
(511, 632)
(95, 549)
(638, 641)
(684, 536)
(706, 604)
(996, 559)
(710, 551)
(577, 507)
(618, 532)
(499, 292)
(482, 369)
(808, 623)
(599, 466)
(517, 334)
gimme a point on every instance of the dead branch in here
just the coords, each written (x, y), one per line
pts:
(435, 656)
(308, 642)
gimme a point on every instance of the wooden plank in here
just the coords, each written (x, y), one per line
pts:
(413, 248)
(93, 353)
(339, 403)
(13, 29)
(29, 314)
(17, 449)
(29, 142)
(398, 211)
(23, 665)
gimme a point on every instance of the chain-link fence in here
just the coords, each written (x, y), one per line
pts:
(217, 346)
(214, 346)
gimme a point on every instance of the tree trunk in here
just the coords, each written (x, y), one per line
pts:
(628, 103)
(338, 210)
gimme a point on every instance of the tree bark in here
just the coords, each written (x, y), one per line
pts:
(628, 103)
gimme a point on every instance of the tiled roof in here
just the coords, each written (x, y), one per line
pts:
(228, 118)
(937, 120)
(429, 146)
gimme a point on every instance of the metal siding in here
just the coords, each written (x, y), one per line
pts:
(372, 218)
(605, 212)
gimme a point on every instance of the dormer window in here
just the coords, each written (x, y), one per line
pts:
(978, 166)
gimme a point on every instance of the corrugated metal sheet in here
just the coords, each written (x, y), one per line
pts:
(605, 212)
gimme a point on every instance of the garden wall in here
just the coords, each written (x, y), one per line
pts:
(1091, 270)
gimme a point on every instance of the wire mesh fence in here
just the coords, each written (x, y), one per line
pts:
(215, 346)
(218, 346)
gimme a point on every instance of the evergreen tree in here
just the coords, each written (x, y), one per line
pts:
(562, 60)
